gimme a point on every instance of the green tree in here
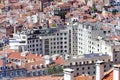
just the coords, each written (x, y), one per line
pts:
(60, 69)
(62, 14)
(94, 9)
(114, 11)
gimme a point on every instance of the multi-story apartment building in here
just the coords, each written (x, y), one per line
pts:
(86, 63)
(50, 41)
(93, 37)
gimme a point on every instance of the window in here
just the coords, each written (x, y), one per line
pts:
(83, 68)
(115, 60)
(104, 66)
(33, 41)
(33, 45)
(88, 67)
(33, 49)
(83, 72)
(87, 62)
(65, 38)
(36, 44)
(76, 63)
(104, 32)
(115, 55)
(108, 60)
(36, 40)
(110, 65)
(98, 49)
(94, 67)
(77, 69)
(77, 74)
(37, 49)
(79, 63)
(65, 51)
(65, 33)
(65, 42)
(61, 38)
(65, 46)
(88, 72)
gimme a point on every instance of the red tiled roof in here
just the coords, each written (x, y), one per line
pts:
(15, 55)
(85, 77)
(115, 37)
(109, 76)
(59, 60)
(41, 78)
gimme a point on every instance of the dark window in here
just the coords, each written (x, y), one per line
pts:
(88, 67)
(65, 38)
(36, 44)
(36, 40)
(77, 74)
(61, 38)
(83, 68)
(37, 49)
(104, 66)
(79, 63)
(33, 49)
(115, 55)
(115, 60)
(33, 45)
(65, 46)
(65, 33)
(88, 72)
(76, 63)
(110, 65)
(104, 32)
(77, 68)
(65, 51)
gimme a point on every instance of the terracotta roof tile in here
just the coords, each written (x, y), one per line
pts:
(108, 75)
(59, 60)
(85, 77)
(41, 78)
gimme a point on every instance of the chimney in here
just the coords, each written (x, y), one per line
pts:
(41, 6)
(68, 74)
(116, 72)
(99, 70)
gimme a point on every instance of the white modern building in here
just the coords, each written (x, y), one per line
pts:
(18, 42)
(93, 37)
